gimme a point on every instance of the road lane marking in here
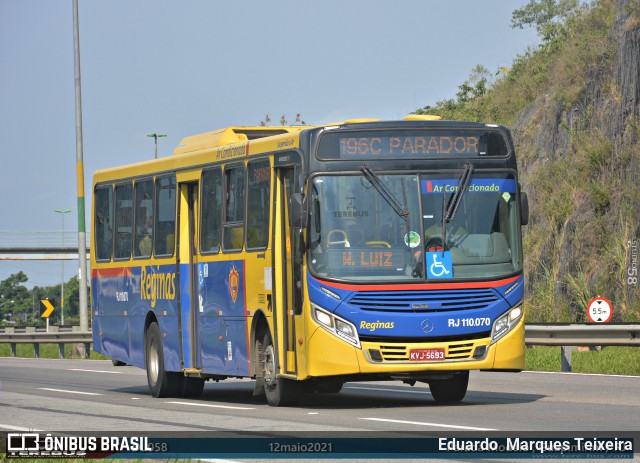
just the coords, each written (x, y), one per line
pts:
(18, 428)
(68, 392)
(385, 390)
(437, 425)
(571, 373)
(211, 405)
(95, 371)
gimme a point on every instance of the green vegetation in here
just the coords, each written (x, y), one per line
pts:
(578, 148)
(609, 360)
(21, 306)
(48, 351)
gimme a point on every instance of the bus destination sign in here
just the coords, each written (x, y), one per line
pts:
(412, 144)
(409, 146)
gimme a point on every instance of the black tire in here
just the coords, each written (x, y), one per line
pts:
(161, 382)
(280, 392)
(117, 363)
(191, 387)
(450, 390)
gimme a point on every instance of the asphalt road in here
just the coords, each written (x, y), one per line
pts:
(72, 395)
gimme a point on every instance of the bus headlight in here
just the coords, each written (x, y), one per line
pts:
(507, 321)
(336, 325)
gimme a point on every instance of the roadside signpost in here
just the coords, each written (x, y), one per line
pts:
(46, 309)
(599, 310)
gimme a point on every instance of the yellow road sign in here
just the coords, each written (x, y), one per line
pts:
(46, 308)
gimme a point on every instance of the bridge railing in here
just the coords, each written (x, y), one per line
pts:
(564, 335)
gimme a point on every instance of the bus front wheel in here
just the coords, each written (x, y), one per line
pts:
(161, 382)
(450, 390)
(279, 391)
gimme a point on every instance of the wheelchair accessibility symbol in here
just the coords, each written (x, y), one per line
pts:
(439, 265)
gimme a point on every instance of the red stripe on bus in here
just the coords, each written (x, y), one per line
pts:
(111, 272)
(405, 287)
(246, 311)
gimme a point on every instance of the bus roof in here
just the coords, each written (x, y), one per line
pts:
(229, 135)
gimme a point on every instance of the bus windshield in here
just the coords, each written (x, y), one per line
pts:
(358, 235)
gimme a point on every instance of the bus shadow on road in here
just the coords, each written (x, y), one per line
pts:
(352, 396)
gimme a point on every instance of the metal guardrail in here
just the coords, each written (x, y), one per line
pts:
(563, 335)
(567, 335)
(56, 335)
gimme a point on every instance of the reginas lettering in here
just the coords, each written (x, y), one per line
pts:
(157, 286)
(377, 325)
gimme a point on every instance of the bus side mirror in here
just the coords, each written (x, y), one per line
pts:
(298, 210)
(524, 208)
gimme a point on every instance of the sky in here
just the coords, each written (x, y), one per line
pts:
(192, 66)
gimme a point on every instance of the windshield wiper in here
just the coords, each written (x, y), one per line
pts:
(388, 196)
(454, 201)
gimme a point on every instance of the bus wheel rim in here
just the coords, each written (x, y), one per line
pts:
(269, 365)
(153, 362)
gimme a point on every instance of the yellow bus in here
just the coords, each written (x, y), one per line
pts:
(305, 257)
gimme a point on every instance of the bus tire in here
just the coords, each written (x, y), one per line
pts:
(161, 382)
(191, 387)
(280, 392)
(450, 390)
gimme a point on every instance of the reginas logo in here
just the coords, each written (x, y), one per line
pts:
(377, 325)
(157, 286)
(234, 284)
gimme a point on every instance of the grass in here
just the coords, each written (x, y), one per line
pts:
(612, 360)
(49, 351)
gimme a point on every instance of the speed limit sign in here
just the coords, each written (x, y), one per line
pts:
(599, 310)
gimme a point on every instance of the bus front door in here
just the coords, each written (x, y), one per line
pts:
(286, 276)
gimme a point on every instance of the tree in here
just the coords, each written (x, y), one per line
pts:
(476, 85)
(547, 16)
(15, 298)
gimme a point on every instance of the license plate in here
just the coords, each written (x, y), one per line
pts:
(421, 355)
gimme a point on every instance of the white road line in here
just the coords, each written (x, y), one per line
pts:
(211, 405)
(18, 428)
(68, 392)
(580, 374)
(95, 371)
(435, 425)
(385, 390)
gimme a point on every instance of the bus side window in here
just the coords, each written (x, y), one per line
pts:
(233, 231)
(211, 212)
(258, 199)
(103, 228)
(165, 230)
(124, 221)
(143, 218)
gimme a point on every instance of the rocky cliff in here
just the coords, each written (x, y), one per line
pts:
(574, 107)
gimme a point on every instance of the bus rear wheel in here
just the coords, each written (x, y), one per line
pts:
(161, 382)
(279, 391)
(450, 390)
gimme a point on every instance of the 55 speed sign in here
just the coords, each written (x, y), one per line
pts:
(599, 310)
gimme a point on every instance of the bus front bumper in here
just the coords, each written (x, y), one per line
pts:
(330, 356)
